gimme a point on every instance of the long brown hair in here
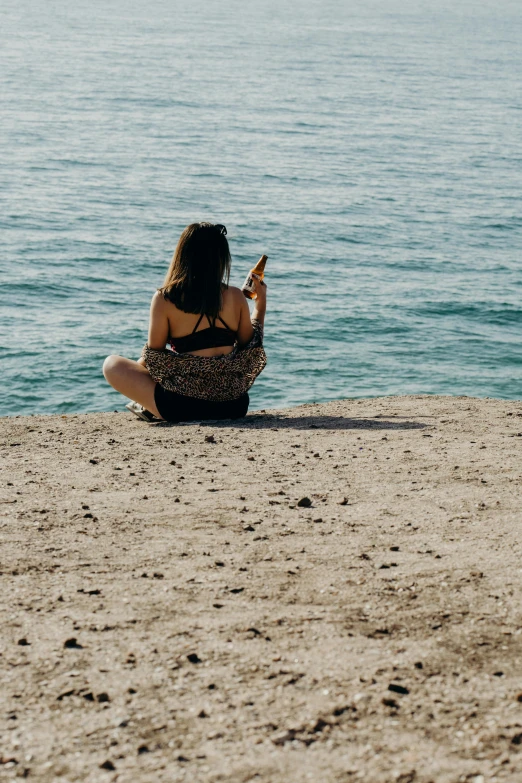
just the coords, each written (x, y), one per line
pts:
(199, 270)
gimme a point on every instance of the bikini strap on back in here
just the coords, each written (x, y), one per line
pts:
(198, 323)
(224, 324)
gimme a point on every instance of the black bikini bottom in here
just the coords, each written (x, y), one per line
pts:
(178, 407)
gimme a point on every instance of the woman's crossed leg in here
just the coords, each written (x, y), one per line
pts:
(131, 379)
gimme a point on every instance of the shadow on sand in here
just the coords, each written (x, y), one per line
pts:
(267, 421)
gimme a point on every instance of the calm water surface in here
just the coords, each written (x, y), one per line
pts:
(372, 150)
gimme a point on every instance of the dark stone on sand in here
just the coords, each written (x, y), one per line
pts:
(390, 703)
(398, 688)
(8, 760)
(338, 711)
(64, 695)
(319, 725)
(143, 749)
(103, 697)
(304, 503)
(210, 439)
(88, 696)
(517, 739)
(72, 644)
(23, 642)
(108, 765)
(193, 658)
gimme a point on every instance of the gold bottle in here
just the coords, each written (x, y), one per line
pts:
(249, 285)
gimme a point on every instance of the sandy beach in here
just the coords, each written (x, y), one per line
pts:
(325, 593)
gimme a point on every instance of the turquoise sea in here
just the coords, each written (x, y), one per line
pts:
(372, 149)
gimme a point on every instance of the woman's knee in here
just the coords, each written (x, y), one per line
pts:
(111, 366)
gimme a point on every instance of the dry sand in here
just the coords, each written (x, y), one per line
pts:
(170, 614)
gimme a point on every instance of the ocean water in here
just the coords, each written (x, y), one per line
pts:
(372, 149)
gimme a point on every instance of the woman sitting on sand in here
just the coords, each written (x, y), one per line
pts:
(215, 349)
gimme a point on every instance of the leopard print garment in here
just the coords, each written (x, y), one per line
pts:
(216, 378)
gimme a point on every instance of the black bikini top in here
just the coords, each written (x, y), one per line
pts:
(211, 337)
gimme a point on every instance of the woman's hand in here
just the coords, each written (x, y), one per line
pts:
(260, 291)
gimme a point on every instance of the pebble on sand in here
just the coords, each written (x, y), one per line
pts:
(398, 688)
(72, 644)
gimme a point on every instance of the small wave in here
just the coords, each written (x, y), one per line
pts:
(512, 225)
(485, 312)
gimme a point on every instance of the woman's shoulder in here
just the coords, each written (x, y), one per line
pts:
(160, 303)
(234, 299)
(232, 294)
(233, 304)
(158, 297)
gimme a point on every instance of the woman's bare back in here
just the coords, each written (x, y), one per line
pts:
(167, 321)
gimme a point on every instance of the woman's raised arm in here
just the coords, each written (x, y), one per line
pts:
(245, 329)
(260, 300)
